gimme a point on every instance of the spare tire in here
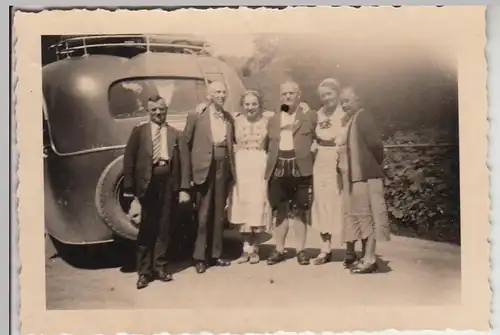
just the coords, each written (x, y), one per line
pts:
(108, 201)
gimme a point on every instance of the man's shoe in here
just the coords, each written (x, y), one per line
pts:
(220, 262)
(142, 282)
(201, 267)
(164, 276)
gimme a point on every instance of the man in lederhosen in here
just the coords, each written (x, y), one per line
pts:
(209, 133)
(289, 170)
(156, 174)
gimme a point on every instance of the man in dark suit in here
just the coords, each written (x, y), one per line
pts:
(289, 170)
(156, 173)
(209, 133)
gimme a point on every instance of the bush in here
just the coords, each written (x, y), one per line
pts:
(423, 192)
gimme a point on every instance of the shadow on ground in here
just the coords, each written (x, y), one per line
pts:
(121, 253)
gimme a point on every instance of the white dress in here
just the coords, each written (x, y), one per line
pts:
(326, 213)
(249, 208)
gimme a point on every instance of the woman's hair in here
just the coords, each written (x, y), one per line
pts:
(350, 88)
(255, 93)
(330, 83)
(356, 91)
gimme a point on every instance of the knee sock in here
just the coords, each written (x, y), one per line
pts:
(251, 243)
(280, 233)
(300, 232)
(326, 243)
(246, 246)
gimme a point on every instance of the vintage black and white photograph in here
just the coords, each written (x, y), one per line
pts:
(251, 169)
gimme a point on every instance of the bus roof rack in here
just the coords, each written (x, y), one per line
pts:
(85, 44)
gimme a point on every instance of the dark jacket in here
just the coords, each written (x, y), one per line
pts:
(364, 148)
(197, 136)
(303, 136)
(138, 160)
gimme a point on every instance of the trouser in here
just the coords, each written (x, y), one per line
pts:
(211, 199)
(154, 231)
(287, 185)
(292, 190)
(290, 198)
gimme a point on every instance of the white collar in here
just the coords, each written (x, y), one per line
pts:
(156, 125)
(214, 109)
(338, 111)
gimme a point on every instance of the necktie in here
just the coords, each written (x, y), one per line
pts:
(218, 115)
(157, 145)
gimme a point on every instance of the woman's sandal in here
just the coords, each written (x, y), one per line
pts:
(350, 261)
(254, 258)
(303, 258)
(323, 258)
(245, 257)
(363, 268)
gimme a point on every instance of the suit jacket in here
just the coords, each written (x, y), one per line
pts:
(303, 137)
(138, 160)
(364, 148)
(197, 136)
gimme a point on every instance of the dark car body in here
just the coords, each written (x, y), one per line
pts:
(91, 105)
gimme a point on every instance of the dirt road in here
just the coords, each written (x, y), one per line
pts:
(413, 272)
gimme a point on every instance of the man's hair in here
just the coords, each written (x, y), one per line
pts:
(291, 82)
(212, 83)
(155, 98)
(358, 93)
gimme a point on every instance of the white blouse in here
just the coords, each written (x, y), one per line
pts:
(329, 127)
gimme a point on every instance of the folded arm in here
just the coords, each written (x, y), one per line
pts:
(371, 134)
(314, 122)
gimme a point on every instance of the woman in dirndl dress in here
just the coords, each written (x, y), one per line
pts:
(249, 207)
(326, 214)
(361, 154)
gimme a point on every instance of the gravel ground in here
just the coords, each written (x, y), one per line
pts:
(413, 272)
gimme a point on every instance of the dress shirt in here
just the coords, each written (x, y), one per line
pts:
(286, 138)
(218, 126)
(163, 140)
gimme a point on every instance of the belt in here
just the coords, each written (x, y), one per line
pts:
(161, 162)
(220, 145)
(326, 143)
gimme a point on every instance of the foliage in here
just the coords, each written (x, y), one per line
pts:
(423, 191)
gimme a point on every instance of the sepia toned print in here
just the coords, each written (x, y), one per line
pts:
(290, 174)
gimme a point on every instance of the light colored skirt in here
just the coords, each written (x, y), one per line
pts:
(326, 212)
(249, 207)
(365, 212)
(363, 206)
